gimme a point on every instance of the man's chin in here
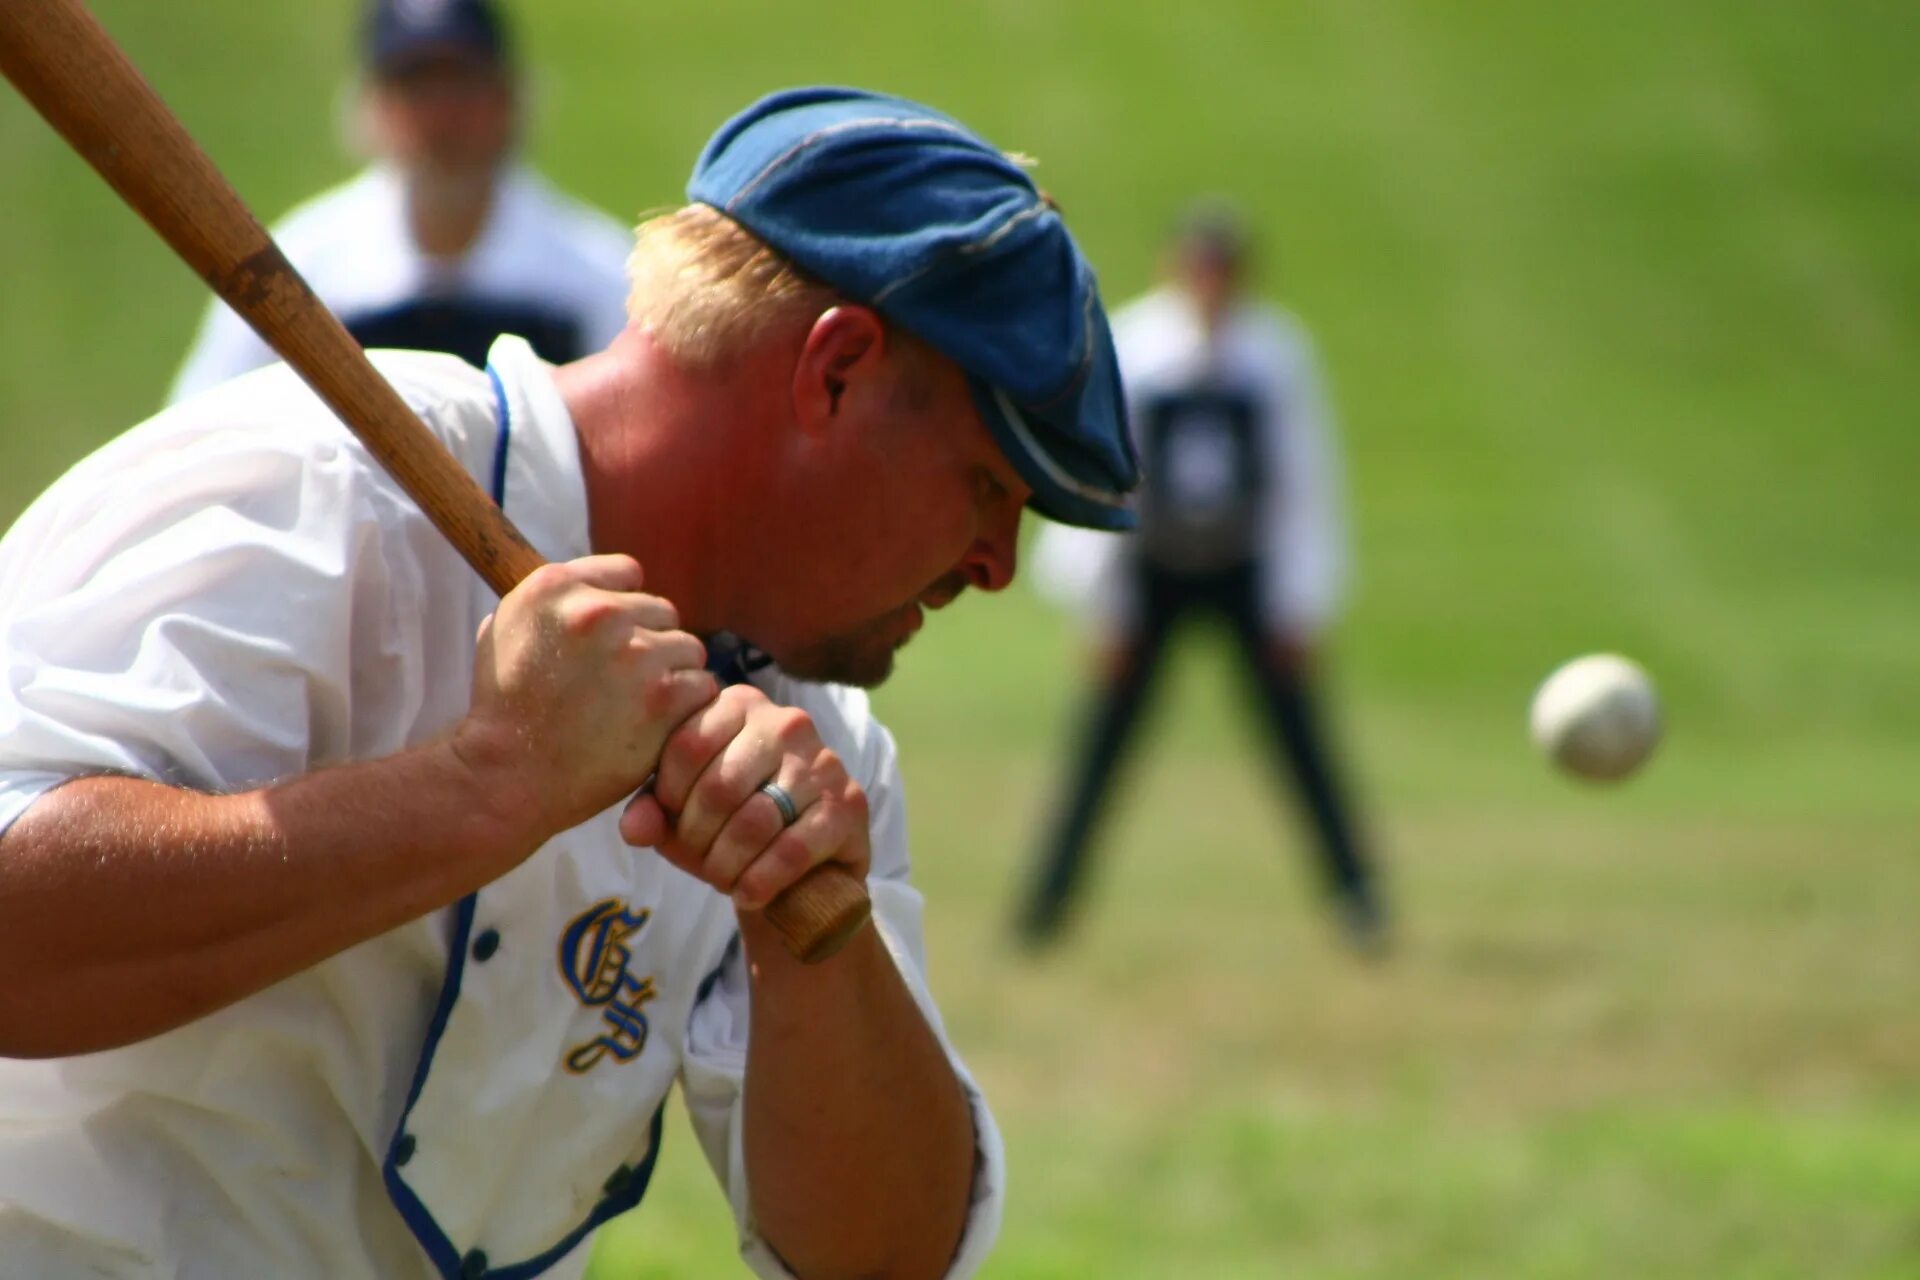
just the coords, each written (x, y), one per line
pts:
(865, 665)
(861, 656)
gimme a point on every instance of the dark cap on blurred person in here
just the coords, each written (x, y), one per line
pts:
(399, 32)
(905, 210)
(1213, 228)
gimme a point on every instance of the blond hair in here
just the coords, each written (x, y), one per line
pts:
(708, 289)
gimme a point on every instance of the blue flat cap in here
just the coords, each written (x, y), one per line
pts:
(905, 210)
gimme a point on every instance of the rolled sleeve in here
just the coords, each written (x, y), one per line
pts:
(201, 619)
(714, 1071)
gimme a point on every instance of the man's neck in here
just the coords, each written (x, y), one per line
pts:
(1214, 316)
(669, 468)
(447, 214)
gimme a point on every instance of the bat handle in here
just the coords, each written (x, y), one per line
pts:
(820, 913)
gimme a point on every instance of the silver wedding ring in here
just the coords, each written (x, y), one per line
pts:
(783, 799)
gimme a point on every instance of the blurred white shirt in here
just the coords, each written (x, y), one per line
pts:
(543, 261)
(235, 592)
(1302, 541)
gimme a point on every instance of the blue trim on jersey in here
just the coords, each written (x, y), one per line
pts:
(448, 1259)
(610, 1206)
(505, 416)
(419, 1219)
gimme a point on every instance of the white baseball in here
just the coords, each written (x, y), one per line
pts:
(1597, 717)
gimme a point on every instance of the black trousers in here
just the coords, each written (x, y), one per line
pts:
(1169, 601)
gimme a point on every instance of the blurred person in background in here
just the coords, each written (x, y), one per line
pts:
(1241, 520)
(446, 241)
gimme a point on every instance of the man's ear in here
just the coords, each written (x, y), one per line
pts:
(843, 352)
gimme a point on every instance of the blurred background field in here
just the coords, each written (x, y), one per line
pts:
(1621, 306)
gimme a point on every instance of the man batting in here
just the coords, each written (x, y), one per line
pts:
(334, 945)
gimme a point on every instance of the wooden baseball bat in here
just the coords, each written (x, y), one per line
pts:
(73, 73)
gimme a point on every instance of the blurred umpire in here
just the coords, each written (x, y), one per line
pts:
(446, 241)
(1241, 521)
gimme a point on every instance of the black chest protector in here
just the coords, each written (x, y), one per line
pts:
(466, 327)
(1206, 477)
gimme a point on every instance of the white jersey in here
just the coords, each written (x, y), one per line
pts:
(1300, 544)
(545, 266)
(234, 592)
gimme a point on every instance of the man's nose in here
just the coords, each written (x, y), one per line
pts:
(990, 562)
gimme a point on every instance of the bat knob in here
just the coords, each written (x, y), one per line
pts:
(820, 913)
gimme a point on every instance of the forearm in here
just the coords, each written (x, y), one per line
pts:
(128, 908)
(859, 1139)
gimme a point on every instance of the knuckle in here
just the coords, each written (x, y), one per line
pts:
(720, 868)
(790, 857)
(668, 693)
(661, 610)
(546, 580)
(740, 697)
(645, 647)
(582, 613)
(828, 769)
(695, 648)
(851, 806)
(687, 748)
(720, 792)
(645, 650)
(791, 725)
(760, 825)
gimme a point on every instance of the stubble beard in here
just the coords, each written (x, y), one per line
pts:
(862, 657)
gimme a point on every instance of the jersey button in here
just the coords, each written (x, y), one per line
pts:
(486, 944)
(474, 1265)
(403, 1149)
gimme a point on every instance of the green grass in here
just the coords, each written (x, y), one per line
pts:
(1621, 305)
